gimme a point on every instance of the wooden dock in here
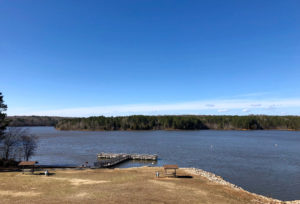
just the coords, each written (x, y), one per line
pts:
(106, 160)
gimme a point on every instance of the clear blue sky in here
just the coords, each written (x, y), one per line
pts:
(150, 57)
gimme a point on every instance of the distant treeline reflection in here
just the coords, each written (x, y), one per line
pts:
(184, 122)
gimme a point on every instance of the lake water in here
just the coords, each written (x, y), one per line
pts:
(264, 162)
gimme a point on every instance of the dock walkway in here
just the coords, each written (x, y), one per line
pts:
(106, 160)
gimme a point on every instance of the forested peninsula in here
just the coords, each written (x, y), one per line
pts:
(183, 122)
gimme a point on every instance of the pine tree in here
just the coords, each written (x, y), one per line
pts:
(3, 121)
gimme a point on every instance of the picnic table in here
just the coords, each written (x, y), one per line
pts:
(170, 170)
(28, 166)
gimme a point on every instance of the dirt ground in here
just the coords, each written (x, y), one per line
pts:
(134, 185)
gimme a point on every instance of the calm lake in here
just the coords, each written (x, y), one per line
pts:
(264, 162)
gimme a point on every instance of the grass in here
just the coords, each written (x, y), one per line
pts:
(134, 185)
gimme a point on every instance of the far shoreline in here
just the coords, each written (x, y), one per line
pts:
(162, 122)
(180, 130)
(83, 130)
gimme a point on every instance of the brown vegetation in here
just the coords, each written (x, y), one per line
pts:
(134, 185)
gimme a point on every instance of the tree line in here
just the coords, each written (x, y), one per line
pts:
(183, 122)
(16, 143)
(21, 121)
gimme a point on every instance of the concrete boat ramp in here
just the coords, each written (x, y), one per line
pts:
(106, 160)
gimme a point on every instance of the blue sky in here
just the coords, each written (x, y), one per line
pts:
(82, 58)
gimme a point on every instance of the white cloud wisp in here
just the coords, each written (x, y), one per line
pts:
(236, 107)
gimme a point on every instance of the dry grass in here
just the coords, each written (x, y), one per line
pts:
(135, 185)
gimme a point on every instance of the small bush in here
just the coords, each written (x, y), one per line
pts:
(8, 163)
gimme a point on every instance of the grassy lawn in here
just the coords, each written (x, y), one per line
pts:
(135, 185)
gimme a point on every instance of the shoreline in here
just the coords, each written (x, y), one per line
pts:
(211, 177)
(101, 130)
(191, 184)
(219, 180)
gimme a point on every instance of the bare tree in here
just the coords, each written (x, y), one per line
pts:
(10, 141)
(16, 140)
(28, 145)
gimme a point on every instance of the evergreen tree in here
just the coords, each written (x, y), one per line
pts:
(3, 121)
